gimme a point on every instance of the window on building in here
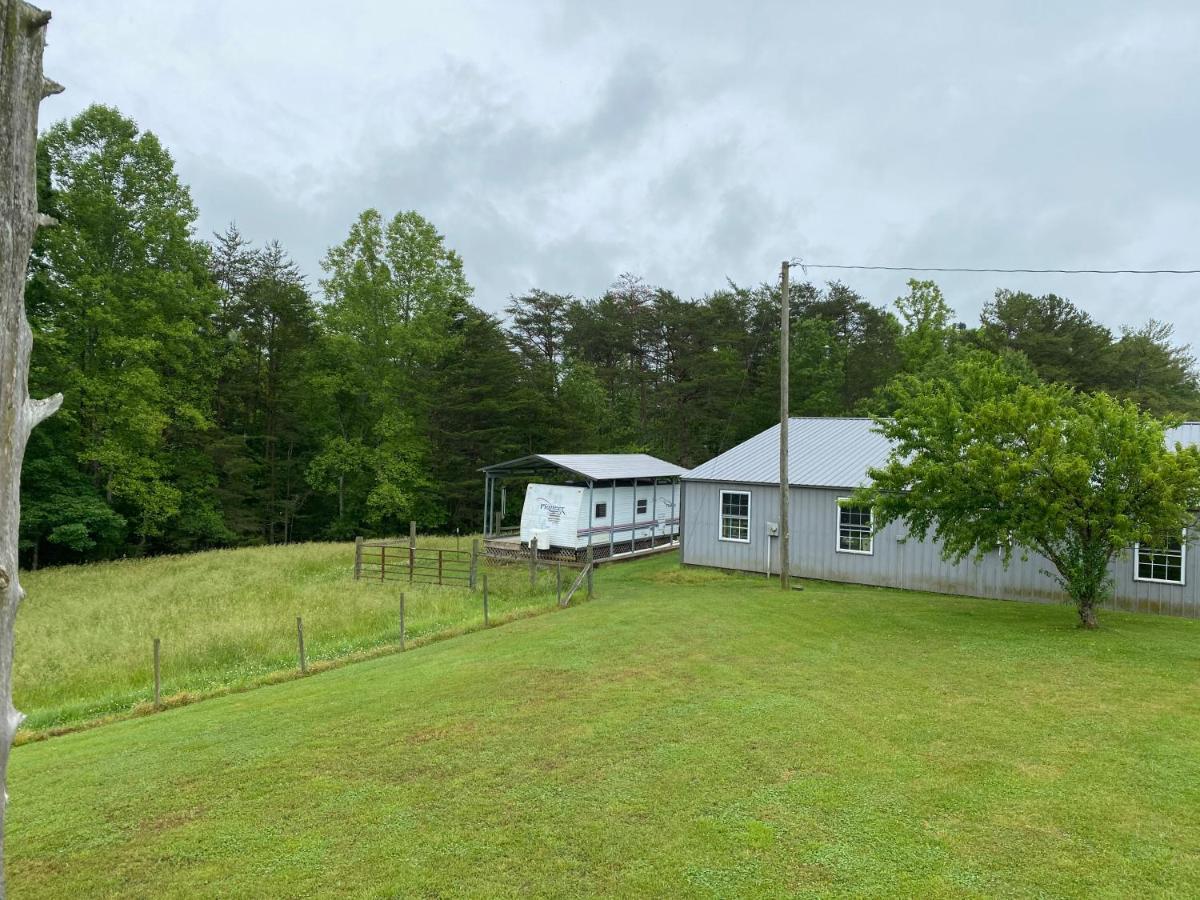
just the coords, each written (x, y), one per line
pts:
(601, 510)
(735, 516)
(1162, 564)
(641, 507)
(854, 528)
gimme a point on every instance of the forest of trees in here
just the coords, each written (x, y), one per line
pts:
(214, 397)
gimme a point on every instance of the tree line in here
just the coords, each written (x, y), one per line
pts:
(214, 397)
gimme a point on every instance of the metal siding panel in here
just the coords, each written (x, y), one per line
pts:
(702, 522)
(842, 449)
(910, 564)
(1151, 596)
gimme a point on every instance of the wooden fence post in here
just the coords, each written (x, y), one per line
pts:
(474, 563)
(485, 607)
(558, 580)
(402, 621)
(157, 675)
(590, 568)
(439, 565)
(300, 642)
(412, 548)
(532, 563)
(382, 560)
(358, 558)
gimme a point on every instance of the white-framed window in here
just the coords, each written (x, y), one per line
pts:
(641, 506)
(601, 511)
(735, 516)
(855, 528)
(1164, 565)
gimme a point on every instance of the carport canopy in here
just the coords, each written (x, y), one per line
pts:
(592, 468)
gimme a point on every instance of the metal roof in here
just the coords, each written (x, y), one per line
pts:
(828, 452)
(821, 453)
(593, 466)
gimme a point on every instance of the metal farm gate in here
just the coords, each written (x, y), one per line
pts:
(405, 561)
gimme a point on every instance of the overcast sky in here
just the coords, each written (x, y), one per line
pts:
(558, 144)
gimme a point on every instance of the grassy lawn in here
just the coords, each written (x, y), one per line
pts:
(227, 620)
(688, 733)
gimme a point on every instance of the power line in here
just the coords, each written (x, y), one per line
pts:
(807, 265)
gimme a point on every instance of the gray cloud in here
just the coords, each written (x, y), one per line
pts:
(558, 144)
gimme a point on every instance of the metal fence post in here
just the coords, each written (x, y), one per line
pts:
(485, 601)
(558, 580)
(402, 620)
(474, 563)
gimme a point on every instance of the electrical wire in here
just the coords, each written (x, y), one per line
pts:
(807, 265)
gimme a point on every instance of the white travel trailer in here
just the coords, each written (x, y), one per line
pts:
(565, 515)
(616, 504)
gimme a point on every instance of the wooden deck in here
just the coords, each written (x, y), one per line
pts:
(510, 547)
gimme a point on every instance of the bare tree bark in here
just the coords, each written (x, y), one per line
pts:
(22, 87)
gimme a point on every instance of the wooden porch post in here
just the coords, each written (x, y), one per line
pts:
(612, 520)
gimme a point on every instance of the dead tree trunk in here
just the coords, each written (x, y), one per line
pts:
(22, 88)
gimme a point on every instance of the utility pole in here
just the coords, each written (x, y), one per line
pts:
(785, 555)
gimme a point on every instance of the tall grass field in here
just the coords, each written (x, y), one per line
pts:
(227, 621)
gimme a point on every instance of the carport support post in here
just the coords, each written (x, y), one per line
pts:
(633, 521)
(591, 512)
(487, 504)
(654, 514)
(612, 520)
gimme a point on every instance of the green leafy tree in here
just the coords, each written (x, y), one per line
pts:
(992, 457)
(866, 339)
(121, 304)
(1151, 370)
(266, 327)
(395, 297)
(1062, 341)
(485, 411)
(929, 334)
(537, 330)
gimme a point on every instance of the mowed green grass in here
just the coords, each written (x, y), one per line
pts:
(687, 733)
(226, 619)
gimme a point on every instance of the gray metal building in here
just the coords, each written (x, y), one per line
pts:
(731, 503)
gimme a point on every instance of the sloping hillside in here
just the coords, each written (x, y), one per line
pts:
(227, 621)
(687, 733)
